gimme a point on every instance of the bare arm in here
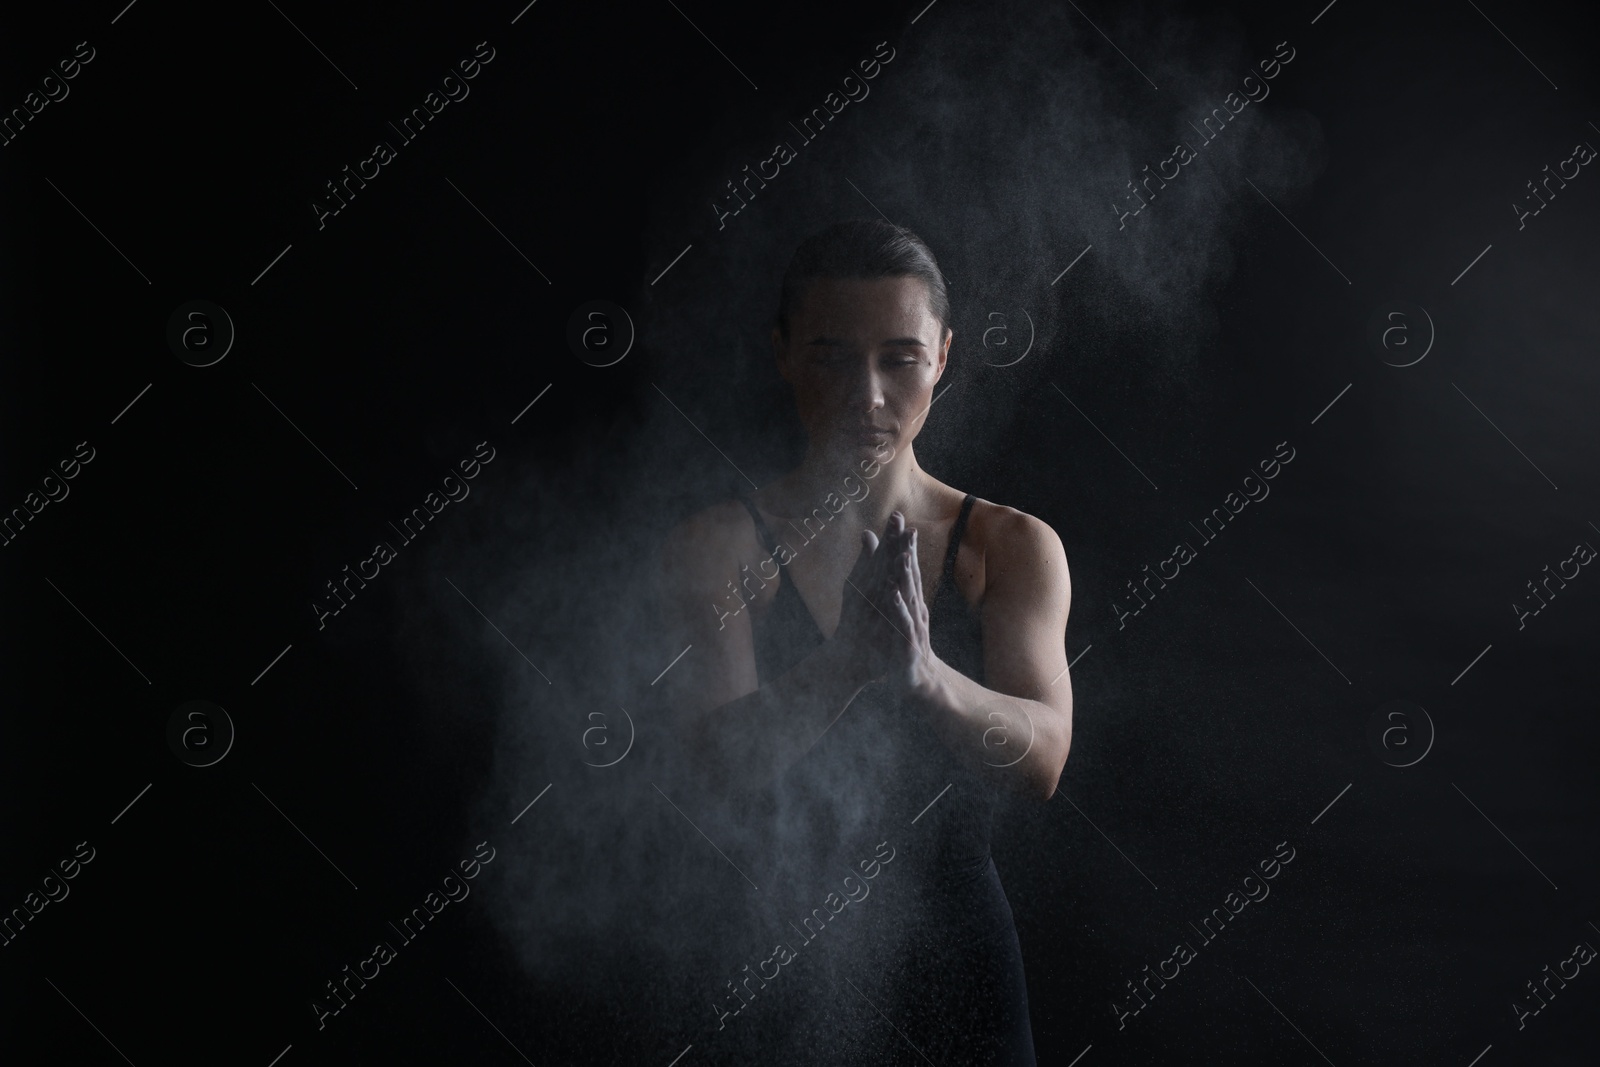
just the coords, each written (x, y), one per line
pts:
(1018, 728)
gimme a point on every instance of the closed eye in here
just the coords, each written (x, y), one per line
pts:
(830, 359)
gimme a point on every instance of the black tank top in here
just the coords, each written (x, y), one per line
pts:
(879, 772)
(927, 937)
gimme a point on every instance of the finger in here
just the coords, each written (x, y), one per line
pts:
(893, 543)
(860, 580)
(888, 546)
(902, 618)
(894, 527)
(865, 556)
(881, 593)
(876, 574)
(905, 575)
(916, 568)
(904, 562)
(920, 604)
(902, 534)
(882, 558)
(908, 591)
(912, 591)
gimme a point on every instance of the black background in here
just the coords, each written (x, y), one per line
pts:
(406, 331)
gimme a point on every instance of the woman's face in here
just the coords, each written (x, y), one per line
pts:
(863, 356)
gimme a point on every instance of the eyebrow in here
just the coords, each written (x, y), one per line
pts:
(834, 342)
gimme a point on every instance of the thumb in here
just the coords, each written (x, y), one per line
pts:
(869, 548)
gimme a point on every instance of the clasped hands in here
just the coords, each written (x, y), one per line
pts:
(884, 620)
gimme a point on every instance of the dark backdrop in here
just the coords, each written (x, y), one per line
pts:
(1247, 705)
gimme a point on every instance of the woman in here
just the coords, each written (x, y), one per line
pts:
(854, 709)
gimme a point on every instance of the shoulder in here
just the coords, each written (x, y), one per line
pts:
(723, 518)
(722, 526)
(1009, 531)
(1018, 548)
(716, 537)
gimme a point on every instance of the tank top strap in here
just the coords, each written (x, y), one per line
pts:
(767, 540)
(956, 533)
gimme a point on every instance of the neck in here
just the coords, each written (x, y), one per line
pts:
(870, 486)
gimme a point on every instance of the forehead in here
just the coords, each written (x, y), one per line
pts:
(865, 306)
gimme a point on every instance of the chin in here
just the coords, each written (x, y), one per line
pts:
(877, 446)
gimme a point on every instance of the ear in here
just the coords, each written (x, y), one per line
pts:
(944, 353)
(780, 352)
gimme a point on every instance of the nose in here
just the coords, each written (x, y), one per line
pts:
(866, 390)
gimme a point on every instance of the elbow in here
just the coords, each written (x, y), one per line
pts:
(722, 770)
(1048, 780)
(1053, 767)
(705, 758)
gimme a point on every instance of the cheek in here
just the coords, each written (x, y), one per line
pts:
(819, 390)
(812, 398)
(914, 388)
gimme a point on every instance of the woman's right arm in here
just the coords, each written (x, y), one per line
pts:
(745, 733)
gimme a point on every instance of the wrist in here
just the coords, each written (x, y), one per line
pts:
(926, 684)
(846, 665)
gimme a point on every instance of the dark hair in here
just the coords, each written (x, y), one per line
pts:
(865, 249)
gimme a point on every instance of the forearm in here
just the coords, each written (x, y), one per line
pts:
(750, 741)
(1019, 743)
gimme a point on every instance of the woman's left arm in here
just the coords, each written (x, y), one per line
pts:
(1027, 704)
